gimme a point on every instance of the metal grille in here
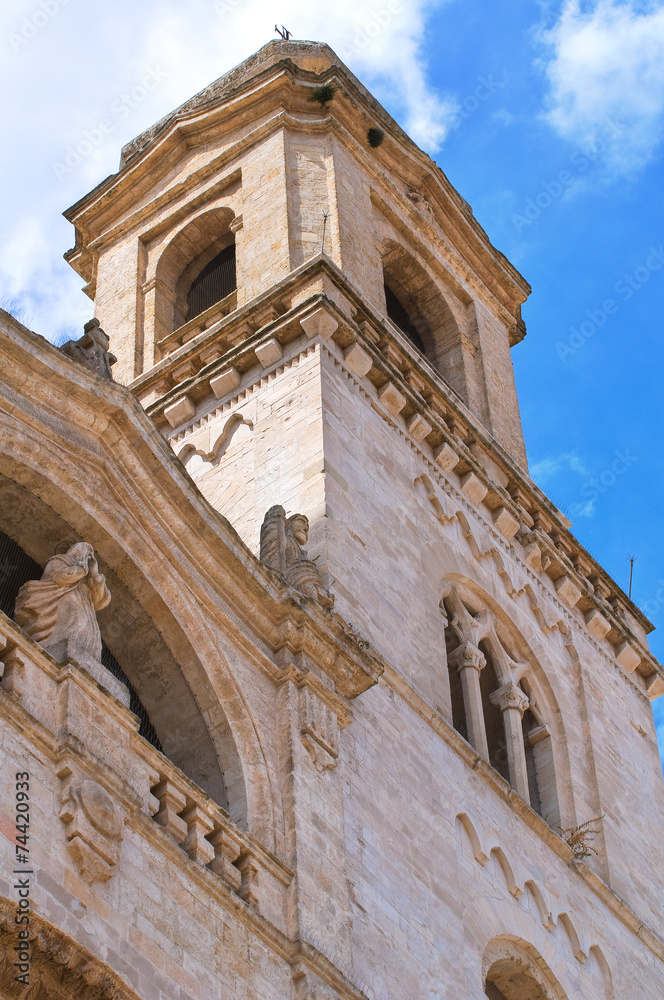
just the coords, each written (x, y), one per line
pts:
(214, 283)
(400, 318)
(16, 568)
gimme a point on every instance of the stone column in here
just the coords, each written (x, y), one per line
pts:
(512, 702)
(469, 660)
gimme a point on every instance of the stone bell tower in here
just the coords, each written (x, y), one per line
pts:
(315, 321)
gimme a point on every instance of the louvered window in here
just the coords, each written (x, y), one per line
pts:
(400, 318)
(214, 283)
(16, 568)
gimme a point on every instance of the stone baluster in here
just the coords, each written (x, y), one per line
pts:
(249, 871)
(468, 660)
(512, 702)
(227, 850)
(199, 826)
(172, 802)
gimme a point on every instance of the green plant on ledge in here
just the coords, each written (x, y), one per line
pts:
(324, 93)
(375, 137)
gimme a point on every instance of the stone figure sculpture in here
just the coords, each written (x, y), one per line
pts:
(92, 350)
(59, 612)
(282, 541)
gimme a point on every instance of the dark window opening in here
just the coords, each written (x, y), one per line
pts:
(456, 689)
(399, 316)
(16, 568)
(214, 283)
(493, 717)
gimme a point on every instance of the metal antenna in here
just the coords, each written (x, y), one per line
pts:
(326, 216)
(283, 33)
(632, 559)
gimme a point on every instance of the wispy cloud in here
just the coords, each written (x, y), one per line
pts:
(605, 61)
(548, 468)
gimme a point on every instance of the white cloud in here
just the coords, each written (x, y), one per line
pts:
(606, 67)
(548, 468)
(68, 73)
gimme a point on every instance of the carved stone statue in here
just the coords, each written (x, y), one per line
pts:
(282, 541)
(92, 350)
(59, 612)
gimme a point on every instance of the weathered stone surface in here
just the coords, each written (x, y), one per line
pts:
(92, 350)
(338, 809)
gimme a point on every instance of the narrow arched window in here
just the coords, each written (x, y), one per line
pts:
(493, 717)
(398, 314)
(214, 283)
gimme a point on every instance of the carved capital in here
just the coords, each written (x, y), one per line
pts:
(94, 826)
(510, 696)
(467, 655)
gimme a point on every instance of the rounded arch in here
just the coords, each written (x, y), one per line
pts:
(513, 969)
(424, 306)
(191, 248)
(514, 660)
(59, 966)
(41, 509)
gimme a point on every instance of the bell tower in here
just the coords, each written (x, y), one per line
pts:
(314, 320)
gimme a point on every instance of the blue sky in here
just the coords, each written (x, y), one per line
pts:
(548, 118)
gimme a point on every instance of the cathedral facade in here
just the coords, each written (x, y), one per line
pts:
(308, 692)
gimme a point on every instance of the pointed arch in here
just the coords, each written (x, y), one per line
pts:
(468, 826)
(544, 912)
(574, 939)
(507, 871)
(596, 952)
(545, 743)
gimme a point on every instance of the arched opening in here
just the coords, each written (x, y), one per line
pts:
(491, 673)
(399, 315)
(196, 273)
(200, 745)
(514, 970)
(217, 280)
(417, 307)
(505, 981)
